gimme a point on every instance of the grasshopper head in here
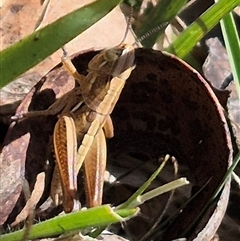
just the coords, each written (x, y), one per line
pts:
(114, 61)
(124, 60)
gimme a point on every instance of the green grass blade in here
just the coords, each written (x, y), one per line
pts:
(98, 216)
(199, 28)
(163, 12)
(31, 50)
(232, 43)
(145, 185)
(133, 198)
(228, 174)
(170, 186)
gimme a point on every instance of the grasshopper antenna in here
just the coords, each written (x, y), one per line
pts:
(43, 14)
(65, 53)
(149, 33)
(129, 27)
(129, 16)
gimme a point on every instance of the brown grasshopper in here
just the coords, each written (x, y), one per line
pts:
(84, 121)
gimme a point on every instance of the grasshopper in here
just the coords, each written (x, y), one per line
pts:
(84, 122)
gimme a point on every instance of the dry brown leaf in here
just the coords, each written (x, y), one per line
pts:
(156, 114)
(32, 202)
(12, 166)
(18, 20)
(137, 97)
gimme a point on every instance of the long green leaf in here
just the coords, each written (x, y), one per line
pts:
(199, 28)
(28, 52)
(232, 43)
(102, 215)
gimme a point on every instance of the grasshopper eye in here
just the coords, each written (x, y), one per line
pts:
(111, 55)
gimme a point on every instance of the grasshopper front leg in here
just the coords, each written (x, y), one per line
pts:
(62, 105)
